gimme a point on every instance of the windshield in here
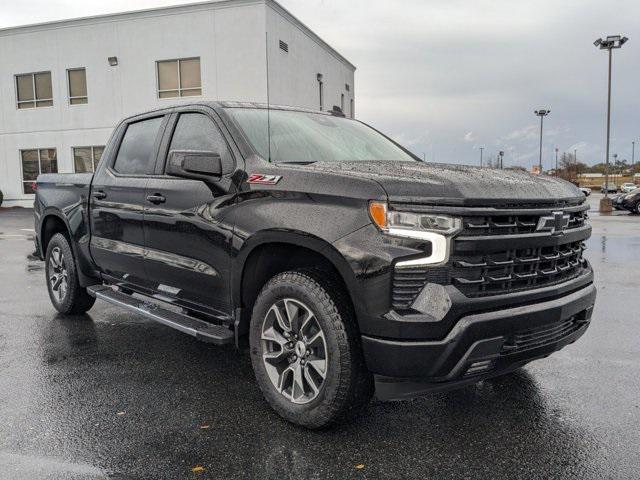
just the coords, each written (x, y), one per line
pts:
(302, 137)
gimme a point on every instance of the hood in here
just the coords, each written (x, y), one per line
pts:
(443, 184)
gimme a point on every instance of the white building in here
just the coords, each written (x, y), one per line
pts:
(64, 85)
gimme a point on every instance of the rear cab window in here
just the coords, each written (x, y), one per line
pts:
(137, 152)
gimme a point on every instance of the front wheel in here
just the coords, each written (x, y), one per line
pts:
(66, 294)
(305, 350)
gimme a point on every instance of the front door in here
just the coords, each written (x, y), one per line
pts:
(187, 242)
(118, 199)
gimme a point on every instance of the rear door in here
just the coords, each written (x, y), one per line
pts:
(118, 199)
(188, 243)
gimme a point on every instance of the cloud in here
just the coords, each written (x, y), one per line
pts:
(469, 137)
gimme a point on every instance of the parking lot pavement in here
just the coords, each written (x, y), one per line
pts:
(112, 395)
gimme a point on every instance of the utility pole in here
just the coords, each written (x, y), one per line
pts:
(611, 42)
(556, 161)
(481, 150)
(543, 112)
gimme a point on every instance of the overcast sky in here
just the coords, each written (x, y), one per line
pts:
(446, 77)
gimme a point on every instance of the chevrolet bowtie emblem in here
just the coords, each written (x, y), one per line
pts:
(554, 223)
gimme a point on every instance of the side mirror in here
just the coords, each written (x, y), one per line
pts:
(194, 164)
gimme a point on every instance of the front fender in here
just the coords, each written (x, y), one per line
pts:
(294, 238)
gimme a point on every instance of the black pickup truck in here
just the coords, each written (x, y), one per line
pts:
(347, 264)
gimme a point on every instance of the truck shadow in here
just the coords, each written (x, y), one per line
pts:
(170, 386)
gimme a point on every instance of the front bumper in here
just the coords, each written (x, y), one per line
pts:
(480, 345)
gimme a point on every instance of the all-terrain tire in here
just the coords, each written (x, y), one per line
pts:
(65, 292)
(347, 386)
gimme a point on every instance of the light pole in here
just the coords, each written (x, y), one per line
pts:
(501, 155)
(611, 42)
(481, 150)
(575, 162)
(541, 113)
(633, 159)
(556, 161)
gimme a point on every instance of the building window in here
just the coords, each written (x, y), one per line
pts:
(284, 46)
(85, 159)
(351, 108)
(77, 78)
(179, 78)
(342, 102)
(347, 87)
(34, 90)
(35, 162)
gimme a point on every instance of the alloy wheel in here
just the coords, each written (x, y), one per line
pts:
(58, 277)
(294, 350)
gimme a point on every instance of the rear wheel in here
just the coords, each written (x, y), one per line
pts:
(66, 294)
(638, 208)
(305, 350)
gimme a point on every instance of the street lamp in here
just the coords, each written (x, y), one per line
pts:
(556, 161)
(481, 150)
(501, 156)
(611, 42)
(541, 113)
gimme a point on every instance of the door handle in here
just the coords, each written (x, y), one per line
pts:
(99, 195)
(156, 198)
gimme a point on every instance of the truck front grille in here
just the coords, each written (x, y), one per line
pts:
(515, 270)
(530, 264)
(500, 224)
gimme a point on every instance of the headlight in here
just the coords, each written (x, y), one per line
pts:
(433, 228)
(423, 222)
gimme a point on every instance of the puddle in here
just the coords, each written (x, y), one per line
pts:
(34, 264)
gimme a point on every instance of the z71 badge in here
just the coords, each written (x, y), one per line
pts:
(264, 179)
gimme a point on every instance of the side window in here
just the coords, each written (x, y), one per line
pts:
(196, 131)
(136, 155)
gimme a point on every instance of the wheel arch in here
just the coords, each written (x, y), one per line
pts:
(268, 253)
(52, 222)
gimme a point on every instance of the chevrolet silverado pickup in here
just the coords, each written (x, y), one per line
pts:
(346, 265)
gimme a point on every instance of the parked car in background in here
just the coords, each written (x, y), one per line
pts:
(628, 187)
(617, 200)
(586, 191)
(631, 201)
(609, 188)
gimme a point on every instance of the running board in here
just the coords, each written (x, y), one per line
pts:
(205, 331)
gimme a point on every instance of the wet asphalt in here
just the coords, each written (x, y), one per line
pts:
(112, 395)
